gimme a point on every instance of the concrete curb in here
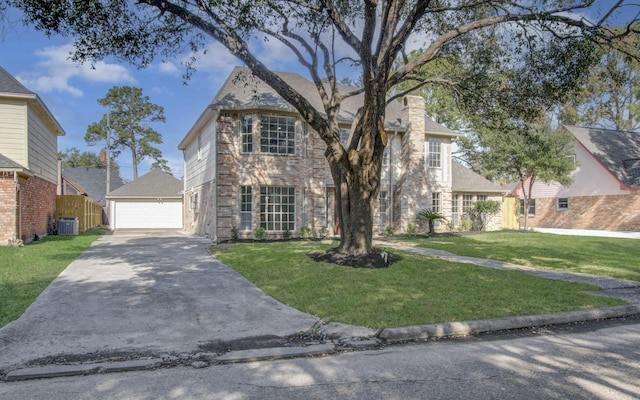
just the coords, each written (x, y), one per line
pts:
(436, 331)
(54, 371)
(272, 353)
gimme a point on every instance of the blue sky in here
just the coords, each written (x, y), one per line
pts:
(71, 90)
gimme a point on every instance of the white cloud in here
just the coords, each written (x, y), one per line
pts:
(167, 67)
(215, 58)
(56, 71)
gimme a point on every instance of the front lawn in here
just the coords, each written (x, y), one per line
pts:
(613, 257)
(26, 271)
(413, 291)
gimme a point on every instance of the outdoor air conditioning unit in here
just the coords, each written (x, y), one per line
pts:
(68, 226)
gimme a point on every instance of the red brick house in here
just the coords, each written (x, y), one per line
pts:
(605, 193)
(28, 162)
(252, 162)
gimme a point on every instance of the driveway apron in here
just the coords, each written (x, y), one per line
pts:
(144, 294)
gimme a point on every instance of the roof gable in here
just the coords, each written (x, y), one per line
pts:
(8, 164)
(94, 181)
(618, 151)
(465, 180)
(9, 84)
(155, 183)
(243, 90)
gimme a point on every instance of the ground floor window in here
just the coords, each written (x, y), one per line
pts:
(383, 209)
(455, 213)
(246, 207)
(277, 208)
(532, 207)
(563, 203)
(436, 201)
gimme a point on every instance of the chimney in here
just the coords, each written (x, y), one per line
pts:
(103, 156)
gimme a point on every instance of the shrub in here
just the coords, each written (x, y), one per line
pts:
(388, 231)
(465, 225)
(411, 229)
(234, 234)
(305, 232)
(482, 212)
(286, 234)
(260, 233)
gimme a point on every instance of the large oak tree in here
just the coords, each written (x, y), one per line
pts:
(325, 36)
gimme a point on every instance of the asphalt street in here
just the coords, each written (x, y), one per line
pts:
(600, 363)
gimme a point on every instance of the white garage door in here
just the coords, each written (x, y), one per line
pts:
(148, 215)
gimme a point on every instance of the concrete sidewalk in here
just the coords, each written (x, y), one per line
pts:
(591, 232)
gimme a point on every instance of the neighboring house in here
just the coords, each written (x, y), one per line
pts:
(94, 181)
(70, 187)
(153, 201)
(28, 162)
(605, 193)
(251, 161)
(469, 187)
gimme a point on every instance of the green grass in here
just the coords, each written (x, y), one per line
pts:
(416, 290)
(26, 271)
(613, 257)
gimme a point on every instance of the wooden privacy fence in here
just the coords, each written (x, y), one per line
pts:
(88, 211)
(510, 213)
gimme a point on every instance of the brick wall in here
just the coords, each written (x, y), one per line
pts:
(257, 169)
(37, 200)
(613, 212)
(8, 207)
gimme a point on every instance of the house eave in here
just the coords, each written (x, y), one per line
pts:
(209, 113)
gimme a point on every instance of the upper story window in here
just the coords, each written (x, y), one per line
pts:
(344, 136)
(247, 134)
(277, 135)
(385, 157)
(434, 159)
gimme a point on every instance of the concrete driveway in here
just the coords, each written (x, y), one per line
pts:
(144, 293)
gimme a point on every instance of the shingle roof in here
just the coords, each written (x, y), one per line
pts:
(242, 90)
(7, 163)
(619, 151)
(155, 183)
(9, 84)
(94, 181)
(465, 180)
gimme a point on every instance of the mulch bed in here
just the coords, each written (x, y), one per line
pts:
(374, 259)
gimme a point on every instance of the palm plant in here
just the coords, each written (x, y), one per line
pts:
(431, 216)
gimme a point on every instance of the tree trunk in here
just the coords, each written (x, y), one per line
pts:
(357, 183)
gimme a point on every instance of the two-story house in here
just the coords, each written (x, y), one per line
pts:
(251, 161)
(605, 193)
(28, 162)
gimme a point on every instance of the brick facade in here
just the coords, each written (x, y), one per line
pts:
(8, 207)
(612, 212)
(305, 170)
(25, 213)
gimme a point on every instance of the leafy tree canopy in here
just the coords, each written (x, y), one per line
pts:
(73, 158)
(371, 37)
(610, 98)
(130, 113)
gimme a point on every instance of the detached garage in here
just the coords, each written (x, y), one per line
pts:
(153, 201)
